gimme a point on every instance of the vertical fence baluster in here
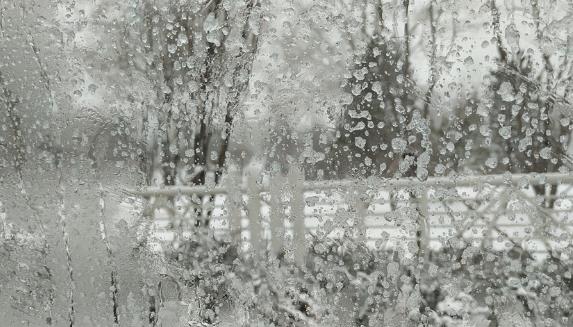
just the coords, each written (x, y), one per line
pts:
(296, 179)
(254, 212)
(276, 215)
(233, 202)
(361, 213)
(360, 204)
(423, 233)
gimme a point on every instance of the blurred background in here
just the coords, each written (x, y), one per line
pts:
(131, 131)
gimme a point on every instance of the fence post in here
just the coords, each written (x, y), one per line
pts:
(423, 232)
(360, 204)
(254, 212)
(295, 180)
(276, 215)
(233, 202)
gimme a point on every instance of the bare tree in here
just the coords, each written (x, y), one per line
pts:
(527, 127)
(200, 55)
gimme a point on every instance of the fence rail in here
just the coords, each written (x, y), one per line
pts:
(455, 181)
(267, 218)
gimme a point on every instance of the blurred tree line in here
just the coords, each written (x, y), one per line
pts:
(390, 127)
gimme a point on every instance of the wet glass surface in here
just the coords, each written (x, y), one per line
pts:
(286, 163)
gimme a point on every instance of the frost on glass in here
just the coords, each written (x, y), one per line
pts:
(286, 163)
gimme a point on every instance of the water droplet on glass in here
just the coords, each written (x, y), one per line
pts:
(491, 162)
(512, 36)
(505, 132)
(360, 142)
(210, 23)
(506, 92)
(181, 39)
(399, 144)
(545, 153)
